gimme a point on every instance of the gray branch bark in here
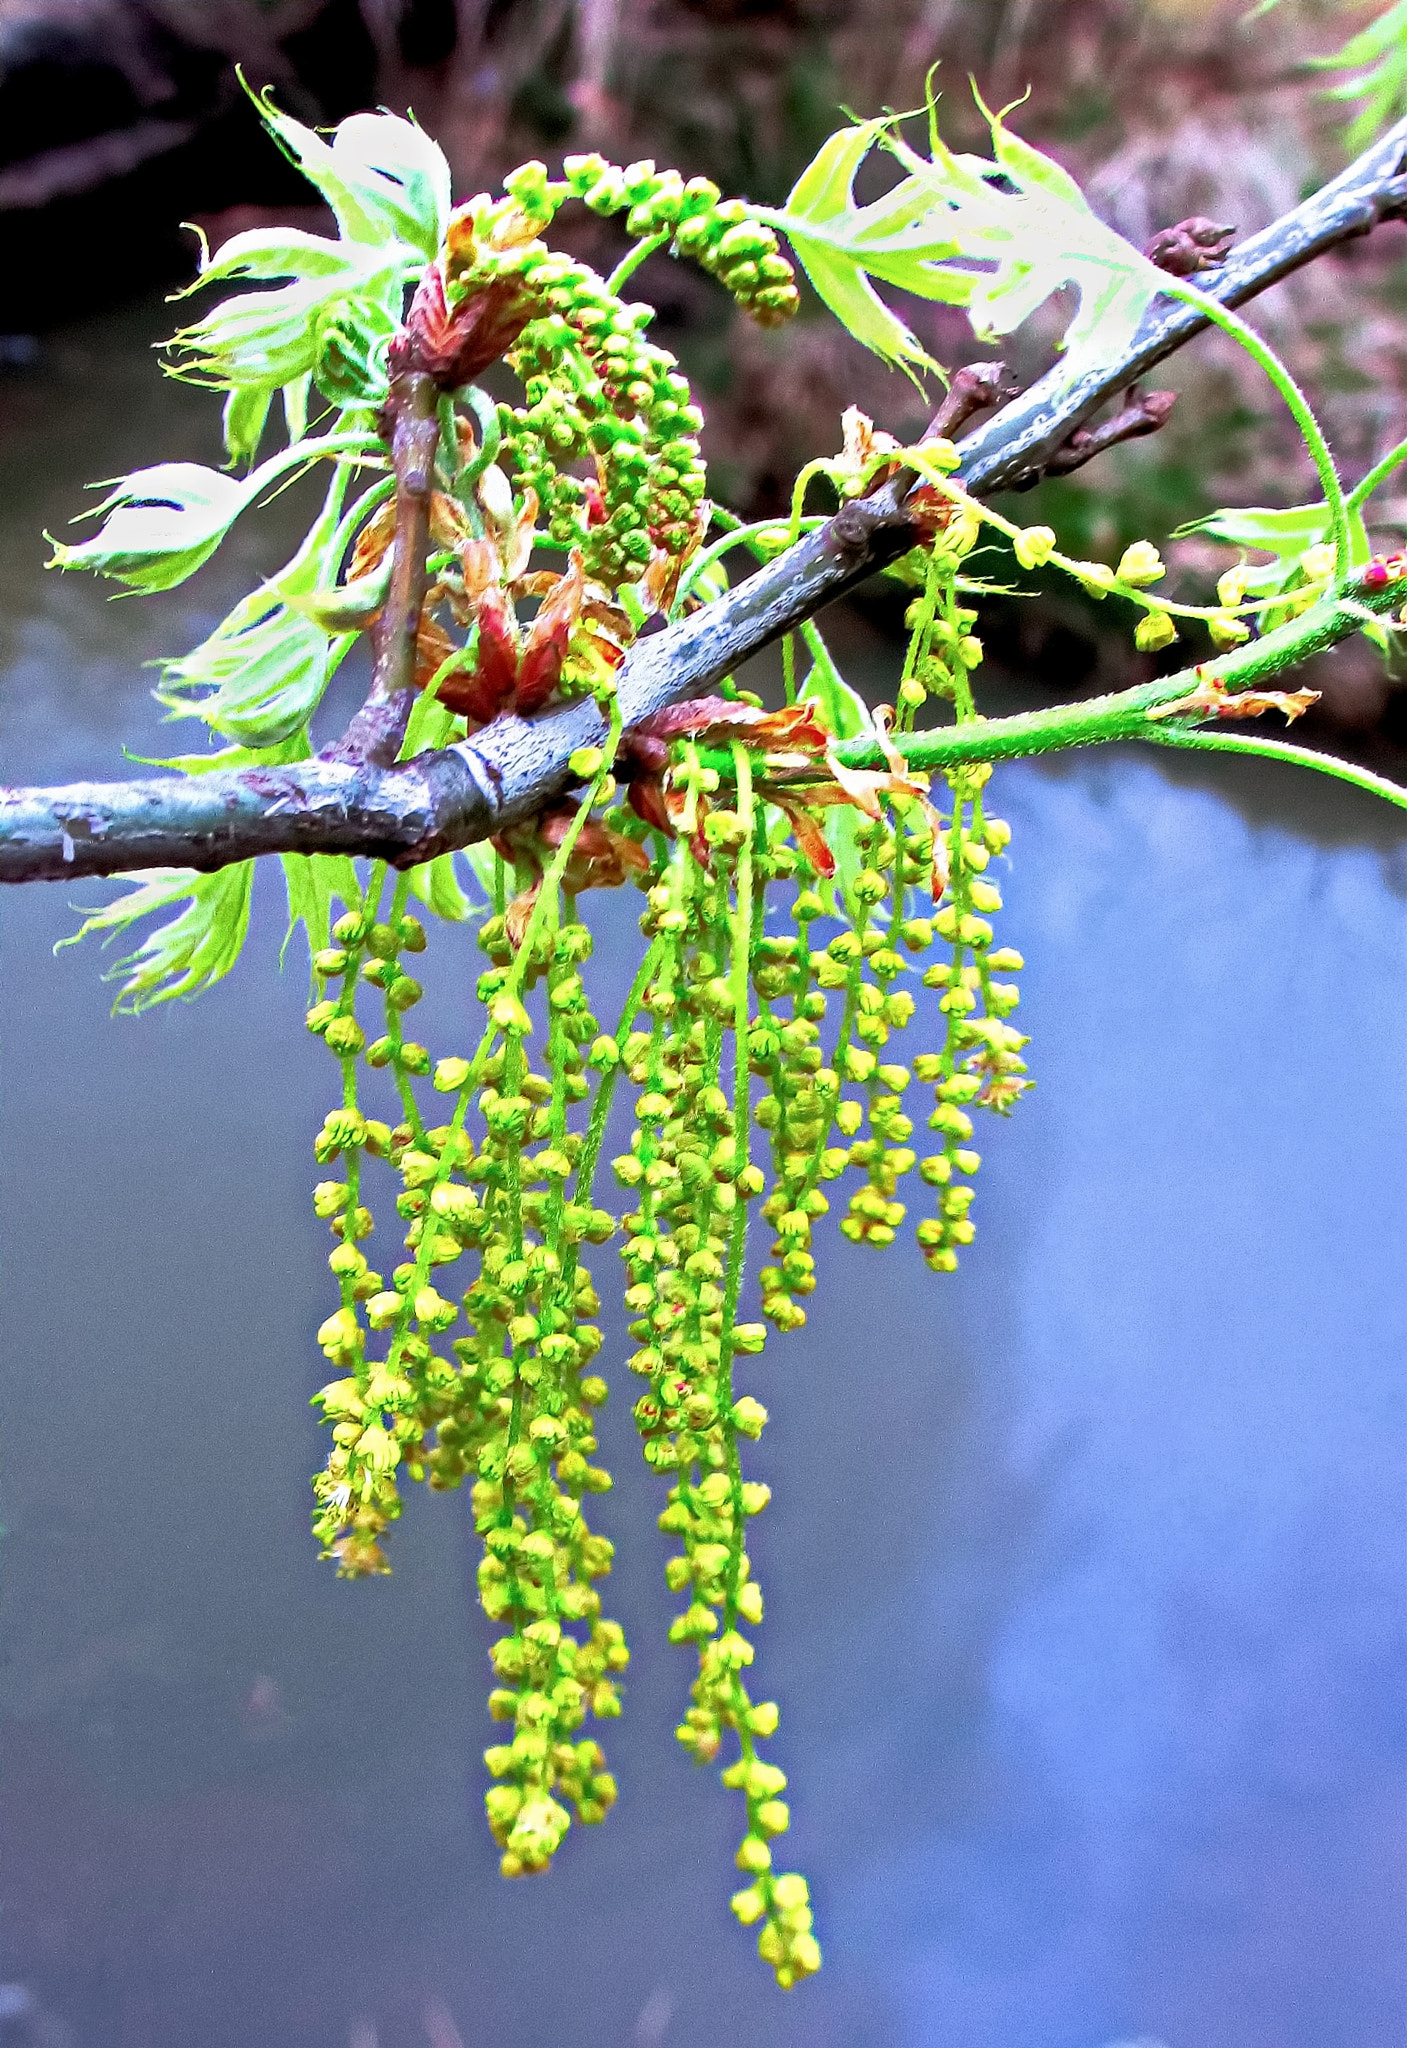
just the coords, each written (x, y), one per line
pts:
(515, 767)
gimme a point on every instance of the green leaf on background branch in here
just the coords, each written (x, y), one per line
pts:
(1378, 54)
(995, 236)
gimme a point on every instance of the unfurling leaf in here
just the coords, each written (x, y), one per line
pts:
(259, 677)
(346, 607)
(261, 674)
(1299, 541)
(246, 412)
(273, 338)
(162, 524)
(438, 887)
(190, 953)
(996, 236)
(314, 882)
(382, 177)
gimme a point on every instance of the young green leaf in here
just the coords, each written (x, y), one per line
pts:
(261, 674)
(163, 523)
(1298, 539)
(263, 670)
(194, 950)
(259, 677)
(224, 758)
(383, 177)
(314, 882)
(273, 338)
(1027, 224)
(437, 886)
(844, 711)
(1284, 533)
(295, 406)
(996, 236)
(246, 412)
(835, 238)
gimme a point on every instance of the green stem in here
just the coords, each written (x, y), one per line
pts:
(600, 1109)
(1261, 352)
(551, 882)
(1379, 473)
(1277, 750)
(739, 536)
(633, 258)
(303, 453)
(395, 1023)
(357, 516)
(1124, 714)
(737, 1237)
(485, 411)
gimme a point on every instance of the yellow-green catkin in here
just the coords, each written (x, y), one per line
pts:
(689, 1166)
(766, 1055)
(979, 1064)
(512, 1405)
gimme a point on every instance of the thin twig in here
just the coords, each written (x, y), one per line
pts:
(375, 734)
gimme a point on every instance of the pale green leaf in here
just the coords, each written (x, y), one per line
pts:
(265, 253)
(246, 412)
(314, 882)
(826, 229)
(841, 825)
(345, 607)
(384, 178)
(223, 759)
(437, 886)
(274, 338)
(295, 406)
(261, 674)
(998, 236)
(162, 524)
(844, 711)
(483, 863)
(1284, 533)
(1282, 530)
(259, 677)
(185, 956)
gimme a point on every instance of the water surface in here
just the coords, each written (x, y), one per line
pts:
(1085, 1569)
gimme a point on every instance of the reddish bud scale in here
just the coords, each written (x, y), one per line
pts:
(545, 650)
(481, 693)
(454, 345)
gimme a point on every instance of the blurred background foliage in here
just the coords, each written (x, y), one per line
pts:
(1163, 109)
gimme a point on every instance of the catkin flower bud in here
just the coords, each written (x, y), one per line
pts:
(1140, 564)
(1154, 630)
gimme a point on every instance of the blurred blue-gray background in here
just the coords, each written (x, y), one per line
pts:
(1086, 1568)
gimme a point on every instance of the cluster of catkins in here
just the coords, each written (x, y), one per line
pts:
(595, 389)
(730, 1029)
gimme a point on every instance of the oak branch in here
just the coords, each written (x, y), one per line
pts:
(514, 767)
